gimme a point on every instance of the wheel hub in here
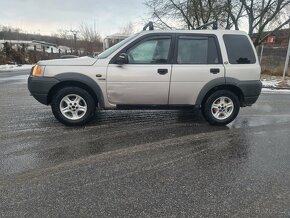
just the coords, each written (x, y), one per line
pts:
(73, 107)
(222, 108)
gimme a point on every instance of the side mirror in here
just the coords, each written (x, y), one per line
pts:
(122, 59)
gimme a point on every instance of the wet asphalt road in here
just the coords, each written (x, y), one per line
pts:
(142, 163)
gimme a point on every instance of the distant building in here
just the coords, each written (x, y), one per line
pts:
(280, 38)
(111, 40)
(36, 45)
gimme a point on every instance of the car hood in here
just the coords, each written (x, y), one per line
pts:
(82, 61)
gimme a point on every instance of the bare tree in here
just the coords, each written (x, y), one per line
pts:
(91, 40)
(234, 12)
(186, 13)
(89, 33)
(128, 29)
(262, 15)
(265, 15)
(64, 34)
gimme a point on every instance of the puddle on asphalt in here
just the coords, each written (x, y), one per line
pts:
(245, 121)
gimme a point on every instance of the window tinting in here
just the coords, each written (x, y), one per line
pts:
(197, 50)
(153, 51)
(239, 49)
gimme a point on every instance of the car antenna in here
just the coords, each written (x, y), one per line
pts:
(150, 25)
(213, 23)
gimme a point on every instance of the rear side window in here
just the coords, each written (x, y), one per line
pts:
(197, 50)
(239, 49)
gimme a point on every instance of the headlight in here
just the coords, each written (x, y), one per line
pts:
(37, 70)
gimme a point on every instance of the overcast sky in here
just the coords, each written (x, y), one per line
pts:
(47, 16)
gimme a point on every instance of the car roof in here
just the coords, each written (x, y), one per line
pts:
(215, 32)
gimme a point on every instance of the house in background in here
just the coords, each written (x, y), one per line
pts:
(35, 45)
(276, 39)
(273, 51)
(111, 40)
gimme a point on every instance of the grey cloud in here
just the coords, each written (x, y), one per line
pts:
(109, 14)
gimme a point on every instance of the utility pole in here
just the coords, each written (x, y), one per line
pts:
(287, 59)
(75, 32)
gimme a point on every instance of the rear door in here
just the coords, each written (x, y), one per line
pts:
(197, 61)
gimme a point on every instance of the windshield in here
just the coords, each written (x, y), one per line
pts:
(109, 51)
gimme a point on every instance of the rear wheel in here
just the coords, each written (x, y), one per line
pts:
(221, 107)
(73, 106)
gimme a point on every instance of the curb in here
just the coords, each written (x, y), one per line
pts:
(276, 88)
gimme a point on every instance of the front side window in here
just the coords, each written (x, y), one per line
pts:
(152, 51)
(239, 49)
(197, 50)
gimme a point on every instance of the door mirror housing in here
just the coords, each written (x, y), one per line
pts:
(122, 59)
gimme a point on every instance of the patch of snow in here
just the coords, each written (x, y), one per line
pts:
(275, 91)
(270, 83)
(11, 67)
(21, 77)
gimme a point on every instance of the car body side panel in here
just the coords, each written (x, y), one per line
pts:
(188, 80)
(138, 84)
(244, 72)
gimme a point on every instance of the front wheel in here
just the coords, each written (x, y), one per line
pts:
(221, 107)
(73, 106)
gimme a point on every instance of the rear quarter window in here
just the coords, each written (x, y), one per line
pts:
(239, 49)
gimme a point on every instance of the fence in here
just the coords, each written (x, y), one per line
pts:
(272, 59)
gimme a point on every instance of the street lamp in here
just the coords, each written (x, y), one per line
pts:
(75, 32)
(287, 57)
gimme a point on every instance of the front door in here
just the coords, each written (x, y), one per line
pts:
(145, 80)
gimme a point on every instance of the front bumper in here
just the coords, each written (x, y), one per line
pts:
(40, 87)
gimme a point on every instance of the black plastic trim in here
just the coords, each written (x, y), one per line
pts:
(210, 85)
(250, 90)
(40, 86)
(155, 107)
(77, 77)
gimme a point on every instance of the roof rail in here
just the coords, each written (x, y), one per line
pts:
(213, 23)
(150, 25)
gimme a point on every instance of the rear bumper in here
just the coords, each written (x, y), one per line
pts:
(251, 91)
(39, 87)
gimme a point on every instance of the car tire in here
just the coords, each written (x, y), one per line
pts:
(73, 106)
(221, 107)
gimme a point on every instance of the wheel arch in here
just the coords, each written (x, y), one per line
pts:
(219, 84)
(78, 80)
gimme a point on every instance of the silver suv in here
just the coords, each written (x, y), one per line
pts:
(216, 71)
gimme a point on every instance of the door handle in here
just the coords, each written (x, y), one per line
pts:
(162, 71)
(214, 70)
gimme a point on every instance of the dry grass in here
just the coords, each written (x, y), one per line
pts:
(274, 71)
(283, 84)
(270, 77)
